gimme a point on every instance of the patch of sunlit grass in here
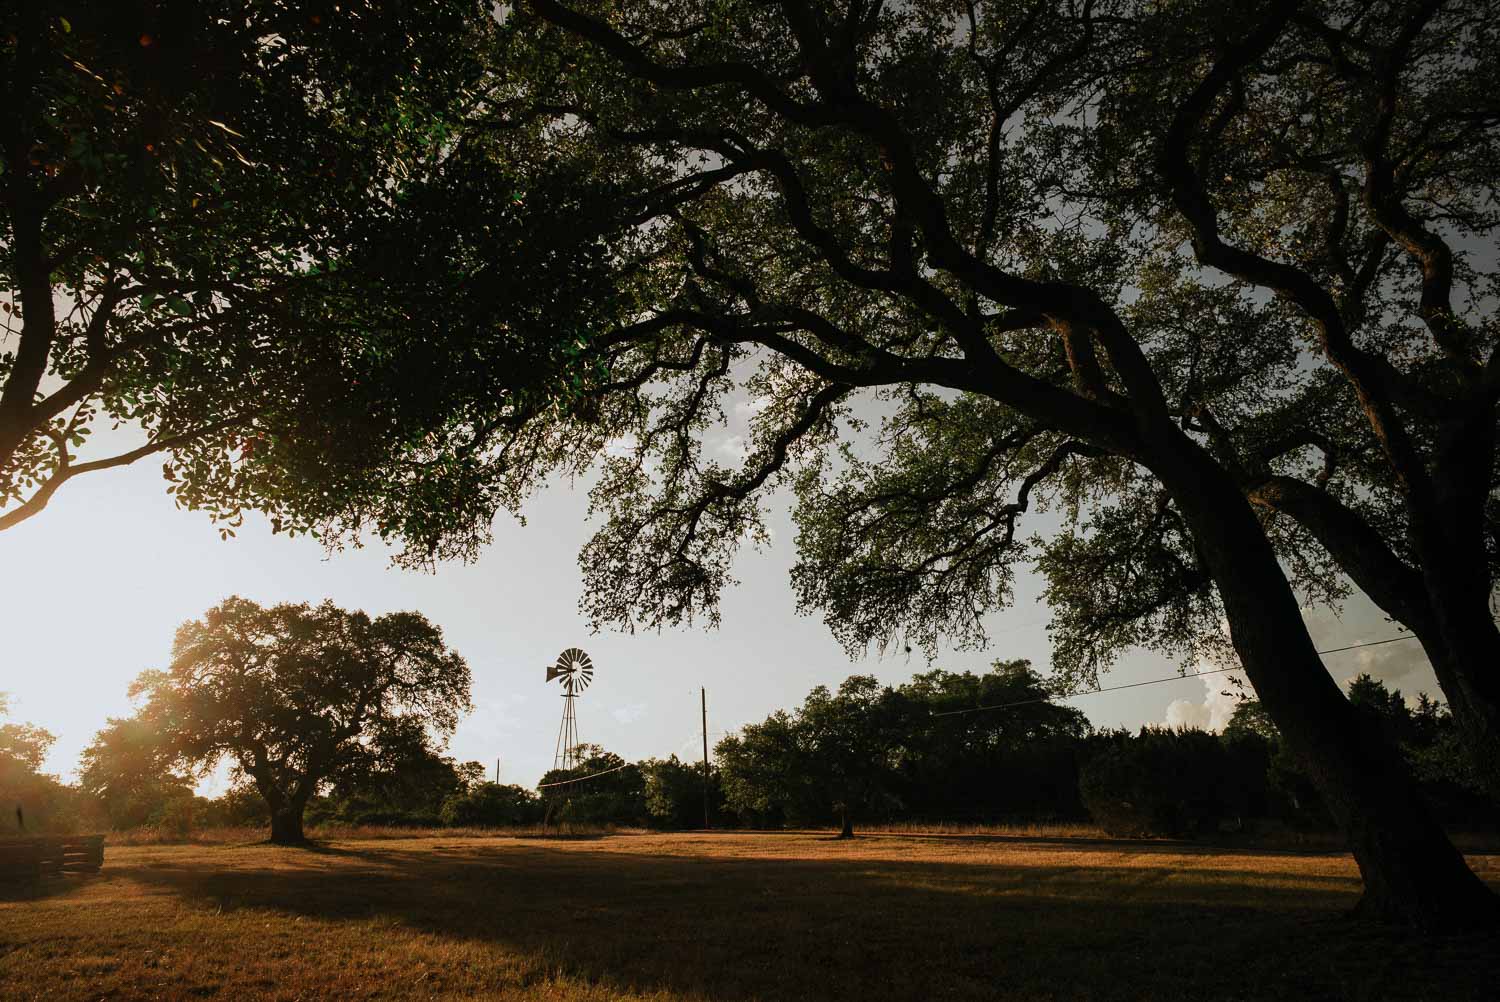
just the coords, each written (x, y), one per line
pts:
(719, 915)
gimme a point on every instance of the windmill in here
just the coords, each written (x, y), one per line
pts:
(575, 671)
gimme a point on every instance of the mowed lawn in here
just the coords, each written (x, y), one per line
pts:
(721, 916)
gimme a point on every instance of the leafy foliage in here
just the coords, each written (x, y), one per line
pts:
(130, 769)
(492, 805)
(296, 696)
(916, 750)
(617, 796)
(244, 228)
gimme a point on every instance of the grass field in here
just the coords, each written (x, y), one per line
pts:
(721, 916)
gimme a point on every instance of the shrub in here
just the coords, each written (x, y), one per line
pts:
(489, 805)
(1158, 782)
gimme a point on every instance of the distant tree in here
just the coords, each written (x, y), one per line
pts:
(674, 792)
(131, 770)
(239, 806)
(767, 773)
(995, 743)
(295, 695)
(1386, 706)
(852, 738)
(1250, 717)
(25, 745)
(867, 749)
(492, 805)
(42, 802)
(617, 796)
(1160, 782)
(399, 777)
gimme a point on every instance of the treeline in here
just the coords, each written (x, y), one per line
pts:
(925, 751)
(943, 747)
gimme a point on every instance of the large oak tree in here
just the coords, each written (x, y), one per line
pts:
(295, 696)
(1201, 278)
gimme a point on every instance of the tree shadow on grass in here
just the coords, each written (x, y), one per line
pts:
(735, 928)
(47, 886)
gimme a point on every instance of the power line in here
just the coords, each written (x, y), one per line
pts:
(1152, 681)
(1372, 643)
(580, 779)
(1080, 692)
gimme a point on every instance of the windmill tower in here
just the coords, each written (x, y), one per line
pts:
(575, 671)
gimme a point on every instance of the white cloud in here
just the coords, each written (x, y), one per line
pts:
(734, 447)
(1220, 697)
(629, 713)
(750, 408)
(621, 446)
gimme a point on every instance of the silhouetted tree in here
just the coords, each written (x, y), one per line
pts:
(674, 792)
(131, 769)
(767, 773)
(616, 793)
(31, 799)
(401, 777)
(1161, 782)
(1015, 758)
(1250, 717)
(492, 805)
(232, 226)
(294, 695)
(1105, 258)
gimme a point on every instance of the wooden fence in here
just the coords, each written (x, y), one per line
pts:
(30, 858)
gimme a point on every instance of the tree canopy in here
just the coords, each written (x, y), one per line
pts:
(132, 772)
(930, 747)
(1205, 282)
(232, 229)
(296, 695)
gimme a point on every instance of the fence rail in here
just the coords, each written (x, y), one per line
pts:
(30, 858)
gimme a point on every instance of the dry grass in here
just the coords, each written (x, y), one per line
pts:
(733, 916)
(340, 832)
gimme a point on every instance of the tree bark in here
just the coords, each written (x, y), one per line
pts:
(1412, 873)
(286, 825)
(846, 825)
(1444, 602)
(1464, 649)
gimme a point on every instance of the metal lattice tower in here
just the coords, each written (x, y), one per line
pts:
(575, 671)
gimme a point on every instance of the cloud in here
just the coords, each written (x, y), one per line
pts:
(498, 714)
(1220, 697)
(1390, 663)
(621, 446)
(734, 447)
(750, 408)
(1400, 664)
(629, 713)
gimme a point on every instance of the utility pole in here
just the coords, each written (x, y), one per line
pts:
(703, 695)
(497, 772)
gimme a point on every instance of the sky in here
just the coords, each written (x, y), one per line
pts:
(95, 586)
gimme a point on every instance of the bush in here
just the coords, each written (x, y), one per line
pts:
(239, 806)
(1159, 782)
(490, 805)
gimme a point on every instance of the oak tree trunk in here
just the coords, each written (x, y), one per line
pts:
(1468, 672)
(1462, 641)
(1412, 873)
(286, 825)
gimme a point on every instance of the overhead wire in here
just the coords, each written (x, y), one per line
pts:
(1152, 681)
(580, 779)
